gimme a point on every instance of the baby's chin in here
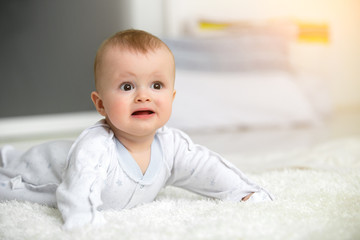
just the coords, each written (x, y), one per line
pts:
(136, 133)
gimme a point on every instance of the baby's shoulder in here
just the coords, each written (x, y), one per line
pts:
(169, 132)
(94, 137)
(173, 136)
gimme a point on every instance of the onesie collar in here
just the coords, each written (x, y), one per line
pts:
(132, 169)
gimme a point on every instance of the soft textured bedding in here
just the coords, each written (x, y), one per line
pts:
(316, 198)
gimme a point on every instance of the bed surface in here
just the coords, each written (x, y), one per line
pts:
(314, 173)
(310, 204)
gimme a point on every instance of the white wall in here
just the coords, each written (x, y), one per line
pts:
(147, 15)
(337, 62)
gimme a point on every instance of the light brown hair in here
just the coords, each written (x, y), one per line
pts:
(132, 40)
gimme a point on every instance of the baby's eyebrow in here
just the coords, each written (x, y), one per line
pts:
(158, 74)
(126, 74)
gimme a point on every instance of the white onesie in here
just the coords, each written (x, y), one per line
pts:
(99, 173)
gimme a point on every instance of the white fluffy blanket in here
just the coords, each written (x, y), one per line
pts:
(321, 200)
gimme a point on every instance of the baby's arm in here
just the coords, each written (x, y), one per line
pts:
(79, 195)
(200, 170)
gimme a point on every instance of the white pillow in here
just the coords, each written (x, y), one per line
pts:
(248, 51)
(213, 100)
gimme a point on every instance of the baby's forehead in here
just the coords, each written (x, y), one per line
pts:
(115, 50)
(111, 53)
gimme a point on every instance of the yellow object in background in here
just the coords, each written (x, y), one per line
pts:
(313, 33)
(306, 32)
(208, 25)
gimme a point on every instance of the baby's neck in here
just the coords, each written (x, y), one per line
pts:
(136, 145)
(140, 150)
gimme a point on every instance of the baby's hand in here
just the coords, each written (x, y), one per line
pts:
(260, 196)
(247, 197)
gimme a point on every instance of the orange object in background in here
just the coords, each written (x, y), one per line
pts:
(313, 33)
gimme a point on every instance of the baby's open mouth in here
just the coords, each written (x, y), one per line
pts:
(142, 112)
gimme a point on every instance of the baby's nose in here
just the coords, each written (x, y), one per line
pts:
(142, 96)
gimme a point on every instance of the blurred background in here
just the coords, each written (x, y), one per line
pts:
(47, 50)
(280, 63)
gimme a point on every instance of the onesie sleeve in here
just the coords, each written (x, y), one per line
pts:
(202, 171)
(79, 194)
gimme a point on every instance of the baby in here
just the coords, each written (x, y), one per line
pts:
(129, 156)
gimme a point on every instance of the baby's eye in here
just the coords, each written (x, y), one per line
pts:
(157, 85)
(126, 86)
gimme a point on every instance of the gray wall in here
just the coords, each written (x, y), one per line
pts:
(47, 48)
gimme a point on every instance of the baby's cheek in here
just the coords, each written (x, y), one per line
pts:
(120, 104)
(118, 110)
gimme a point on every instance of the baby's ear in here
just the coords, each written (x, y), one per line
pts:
(174, 94)
(95, 97)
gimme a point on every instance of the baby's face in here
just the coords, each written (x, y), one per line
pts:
(136, 90)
